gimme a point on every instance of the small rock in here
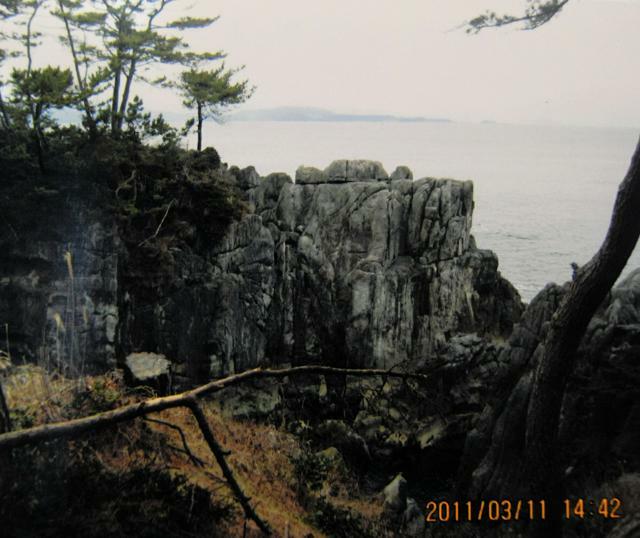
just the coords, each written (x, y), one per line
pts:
(334, 459)
(149, 369)
(395, 496)
(413, 522)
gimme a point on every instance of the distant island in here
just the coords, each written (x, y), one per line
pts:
(319, 114)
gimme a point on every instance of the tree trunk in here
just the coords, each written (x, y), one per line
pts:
(115, 98)
(200, 126)
(91, 123)
(125, 94)
(4, 115)
(5, 417)
(587, 291)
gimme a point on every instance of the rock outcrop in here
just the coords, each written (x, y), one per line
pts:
(347, 266)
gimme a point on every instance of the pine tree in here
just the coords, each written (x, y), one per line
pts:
(209, 92)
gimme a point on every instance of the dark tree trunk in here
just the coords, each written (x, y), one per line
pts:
(125, 94)
(5, 417)
(200, 119)
(587, 291)
(115, 99)
(513, 452)
(4, 115)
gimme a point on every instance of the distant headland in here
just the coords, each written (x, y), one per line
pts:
(320, 114)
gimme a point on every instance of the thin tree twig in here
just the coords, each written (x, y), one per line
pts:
(159, 225)
(194, 459)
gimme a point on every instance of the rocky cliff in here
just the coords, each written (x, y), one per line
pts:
(345, 266)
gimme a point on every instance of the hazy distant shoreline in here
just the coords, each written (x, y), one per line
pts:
(319, 114)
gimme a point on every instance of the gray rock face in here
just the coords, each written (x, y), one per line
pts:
(58, 280)
(341, 268)
(402, 172)
(310, 175)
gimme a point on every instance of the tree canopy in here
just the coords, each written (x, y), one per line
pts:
(208, 92)
(112, 45)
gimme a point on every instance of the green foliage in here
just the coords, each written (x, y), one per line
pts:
(40, 90)
(210, 92)
(141, 126)
(213, 90)
(128, 40)
(8, 8)
(102, 394)
(112, 46)
(22, 418)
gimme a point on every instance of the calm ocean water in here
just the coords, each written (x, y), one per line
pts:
(543, 194)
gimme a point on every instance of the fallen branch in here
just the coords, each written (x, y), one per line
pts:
(74, 428)
(219, 454)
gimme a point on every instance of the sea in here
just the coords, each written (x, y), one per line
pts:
(543, 194)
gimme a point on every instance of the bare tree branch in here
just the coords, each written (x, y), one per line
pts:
(185, 446)
(538, 13)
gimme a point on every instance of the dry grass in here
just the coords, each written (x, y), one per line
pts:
(261, 458)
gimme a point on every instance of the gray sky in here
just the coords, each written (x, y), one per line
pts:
(406, 57)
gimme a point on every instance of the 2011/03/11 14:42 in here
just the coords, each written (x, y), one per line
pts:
(604, 508)
(518, 510)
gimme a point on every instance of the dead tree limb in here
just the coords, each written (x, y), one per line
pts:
(76, 427)
(219, 454)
